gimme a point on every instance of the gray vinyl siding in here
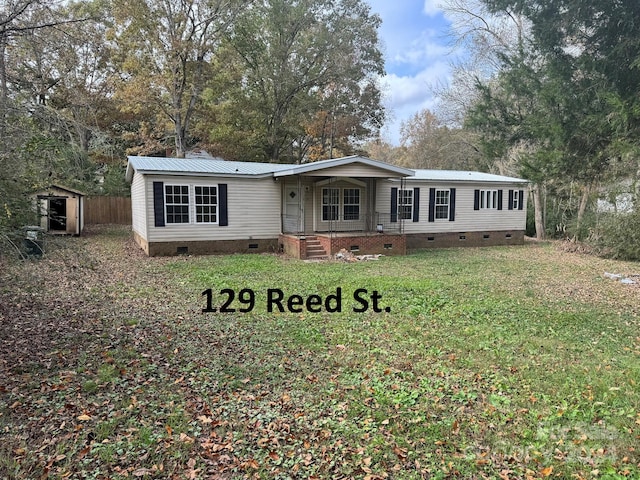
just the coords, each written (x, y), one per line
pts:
(253, 210)
(466, 218)
(138, 210)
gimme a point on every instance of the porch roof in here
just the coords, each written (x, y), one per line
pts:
(317, 167)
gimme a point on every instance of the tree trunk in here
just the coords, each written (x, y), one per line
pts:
(537, 204)
(4, 95)
(181, 148)
(584, 201)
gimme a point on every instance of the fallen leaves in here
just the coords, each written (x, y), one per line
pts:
(547, 471)
(274, 456)
(241, 397)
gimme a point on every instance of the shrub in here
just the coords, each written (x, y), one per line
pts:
(618, 236)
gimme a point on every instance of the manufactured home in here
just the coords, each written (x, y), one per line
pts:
(213, 206)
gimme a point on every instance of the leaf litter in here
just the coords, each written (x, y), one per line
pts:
(107, 367)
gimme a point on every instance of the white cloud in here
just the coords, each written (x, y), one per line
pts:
(407, 95)
(431, 7)
(425, 47)
(417, 55)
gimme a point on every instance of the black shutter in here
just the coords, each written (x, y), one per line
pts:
(158, 203)
(394, 205)
(499, 199)
(520, 199)
(452, 204)
(223, 217)
(432, 204)
(476, 199)
(416, 204)
(510, 199)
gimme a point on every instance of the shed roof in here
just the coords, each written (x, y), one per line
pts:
(50, 188)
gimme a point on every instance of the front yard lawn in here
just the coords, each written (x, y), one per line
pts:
(506, 363)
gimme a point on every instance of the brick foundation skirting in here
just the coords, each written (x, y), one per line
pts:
(212, 247)
(292, 246)
(385, 244)
(141, 242)
(417, 241)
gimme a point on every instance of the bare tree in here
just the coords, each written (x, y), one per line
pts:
(485, 38)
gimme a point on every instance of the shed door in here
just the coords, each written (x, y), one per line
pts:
(72, 215)
(57, 214)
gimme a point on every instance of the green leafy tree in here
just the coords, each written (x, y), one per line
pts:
(37, 147)
(567, 102)
(587, 54)
(165, 49)
(305, 57)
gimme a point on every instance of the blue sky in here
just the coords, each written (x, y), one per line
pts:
(417, 57)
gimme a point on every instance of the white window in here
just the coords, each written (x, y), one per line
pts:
(336, 207)
(515, 200)
(351, 204)
(442, 204)
(405, 204)
(176, 203)
(488, 199)
(206, 202)
(330, 204)
(191, 204)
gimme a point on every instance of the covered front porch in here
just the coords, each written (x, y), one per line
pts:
(327, 208)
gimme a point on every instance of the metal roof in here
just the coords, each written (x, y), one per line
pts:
(48, 191)
(336, 162)
(462, 176)
(202, 166)
(218, 166)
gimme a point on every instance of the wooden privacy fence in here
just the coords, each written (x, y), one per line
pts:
(98, 210)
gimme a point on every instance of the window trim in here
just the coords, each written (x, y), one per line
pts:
(436, 204)
(168, 204)
(485, 200)
(401, 205)
(515, 200)
(196, 205)
(332, 206)
(192, 206)
(340, 215)
(345, 204)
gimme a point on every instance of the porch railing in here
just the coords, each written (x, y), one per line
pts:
(367, 223)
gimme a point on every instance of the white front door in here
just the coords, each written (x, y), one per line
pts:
(293, 207)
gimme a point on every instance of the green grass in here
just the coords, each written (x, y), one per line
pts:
(520, 362)
(482, 366)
